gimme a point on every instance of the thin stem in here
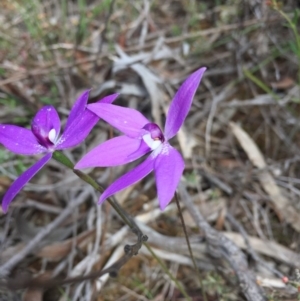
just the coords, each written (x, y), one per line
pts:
(112, 202)
(60, 157)
(178, 284)
(189, 246)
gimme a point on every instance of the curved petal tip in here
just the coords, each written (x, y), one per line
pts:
(182, 102)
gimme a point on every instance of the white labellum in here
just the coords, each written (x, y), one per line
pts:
(52, 135)
(153, 144)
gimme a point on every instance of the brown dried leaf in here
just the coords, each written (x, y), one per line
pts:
(33, 294)
(284, 84)
(229, 163)
(57, 251)
(36, 294)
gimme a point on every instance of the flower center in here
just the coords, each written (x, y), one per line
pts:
(153, 136)
(44, 137)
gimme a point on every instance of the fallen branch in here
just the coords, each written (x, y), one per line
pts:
(220, 247)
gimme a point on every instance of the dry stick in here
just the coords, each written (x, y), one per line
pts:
(250, 250)
(23, 283)
(189, 247)
(13, 261)
(24, 74)
(220, 247)
(206, 32)
(178, 284)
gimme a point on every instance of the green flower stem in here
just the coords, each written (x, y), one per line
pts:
(61, 158)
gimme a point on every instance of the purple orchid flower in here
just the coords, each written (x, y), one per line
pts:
(44, 137)
(142, 136)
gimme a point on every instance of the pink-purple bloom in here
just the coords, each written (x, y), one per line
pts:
(43, 138)
(142, 136)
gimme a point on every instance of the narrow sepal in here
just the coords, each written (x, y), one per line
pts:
(181, 103)
(81, 124)
(113, 152)
(128, 121)
(20, 140)
(22, 180)
(131, 177)
(78, 108)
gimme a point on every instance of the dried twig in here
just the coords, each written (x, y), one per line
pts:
(249, 248)
(265, 177)
(210, 31)
(33, 244)
(220, 247)
(25, 282)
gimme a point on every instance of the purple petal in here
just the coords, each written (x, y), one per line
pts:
(20, 140)
(46, 126)
(136, 174)
(81, 124)
(21, 181)
(168, 168)
(113, 152)
(181, 103)
(78, 108)
(108, 99)
(139, 152)
(128, 121)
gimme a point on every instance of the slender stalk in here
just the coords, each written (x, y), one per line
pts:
(61, 158)
(114, 204)
(178, 284)
(189, 246)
